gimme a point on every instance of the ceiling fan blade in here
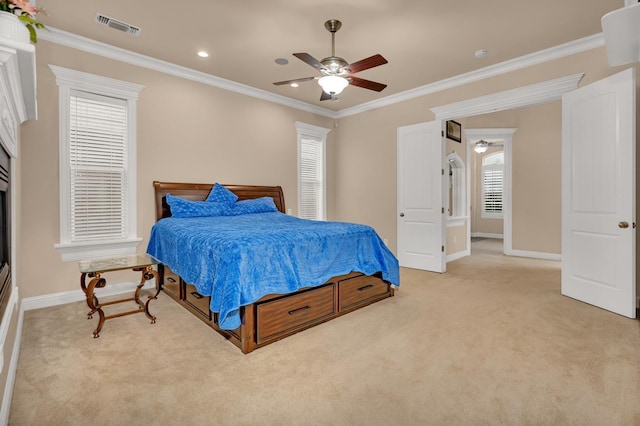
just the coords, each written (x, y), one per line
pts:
(297, 80)
(325, 96)
(367, 84)
(365, 64)
(305, 57)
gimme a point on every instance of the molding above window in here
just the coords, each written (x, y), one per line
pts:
(96, 84)
(311, 130)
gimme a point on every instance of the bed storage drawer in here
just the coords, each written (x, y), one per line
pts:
(286, 315)
(197, 301)
(361, 290)
(170, 282)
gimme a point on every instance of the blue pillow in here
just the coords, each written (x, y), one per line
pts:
(220, 194)
(187, 208)
(256, 205)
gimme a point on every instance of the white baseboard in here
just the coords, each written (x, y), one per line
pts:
(535, 255)
(487, 235)
(62, 298)
(458, 255)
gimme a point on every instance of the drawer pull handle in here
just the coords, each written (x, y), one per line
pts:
(366, 287)
(196, 295)
(299, 310)
(171, 280)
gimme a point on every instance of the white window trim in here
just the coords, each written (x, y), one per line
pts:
(317, 132)
(68, 80)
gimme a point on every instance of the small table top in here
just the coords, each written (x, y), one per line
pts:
(116, 263)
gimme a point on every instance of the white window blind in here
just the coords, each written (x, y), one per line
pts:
(492, 179)
(98, 167)
(311, 179)
(493, 185)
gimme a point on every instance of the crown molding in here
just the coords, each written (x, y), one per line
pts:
(85, 44)
(557, 52)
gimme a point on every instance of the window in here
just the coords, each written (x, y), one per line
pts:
(311, 171)
(97, 165)
(492, 185)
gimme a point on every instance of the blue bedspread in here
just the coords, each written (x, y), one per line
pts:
(239, 259)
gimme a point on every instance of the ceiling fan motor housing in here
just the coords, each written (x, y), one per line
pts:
(335, 66)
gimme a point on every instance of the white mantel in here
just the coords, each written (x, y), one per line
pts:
(17, 90)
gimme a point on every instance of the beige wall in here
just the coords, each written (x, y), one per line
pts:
(537, 189)
(456, 240)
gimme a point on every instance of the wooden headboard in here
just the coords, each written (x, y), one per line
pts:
(200, 191)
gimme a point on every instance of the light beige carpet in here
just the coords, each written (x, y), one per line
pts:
(491, 342)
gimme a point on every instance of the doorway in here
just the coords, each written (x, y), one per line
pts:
(536, 94)
(503, 137)
(606, 107)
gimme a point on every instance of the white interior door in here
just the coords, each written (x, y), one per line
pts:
(421, 230)
(599, 193)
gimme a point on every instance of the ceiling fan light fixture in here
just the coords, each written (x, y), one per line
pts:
(333, 84)
(481, 146)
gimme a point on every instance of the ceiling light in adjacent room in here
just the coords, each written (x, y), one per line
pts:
(481, 146)
(333, 84)
(295, 85)
(203, 54)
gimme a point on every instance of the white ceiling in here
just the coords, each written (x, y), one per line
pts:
(425, 41)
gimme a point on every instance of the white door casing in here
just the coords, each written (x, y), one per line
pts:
(420, 220)
(599, 194)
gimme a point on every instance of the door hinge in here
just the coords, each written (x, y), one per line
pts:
(443, 249)
(442, 133)
(442, 170)
(443, 210)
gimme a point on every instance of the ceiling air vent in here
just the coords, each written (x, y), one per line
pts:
(118, 25)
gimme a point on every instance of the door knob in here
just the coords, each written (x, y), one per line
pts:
(623, 224)
(401, 214)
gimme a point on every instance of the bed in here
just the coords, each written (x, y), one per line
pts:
(258, 278)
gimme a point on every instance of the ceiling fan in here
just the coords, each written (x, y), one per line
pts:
(481, 146)
(336, 73)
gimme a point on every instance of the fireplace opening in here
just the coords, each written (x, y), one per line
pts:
(5, 232)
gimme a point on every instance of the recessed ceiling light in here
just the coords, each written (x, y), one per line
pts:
(481, 53)
(281, 61)
(203, 54)
(295, 85)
